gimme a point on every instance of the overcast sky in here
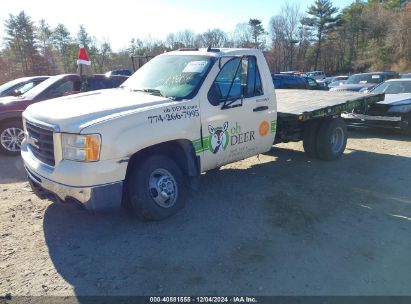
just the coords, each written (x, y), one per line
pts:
(119, 21)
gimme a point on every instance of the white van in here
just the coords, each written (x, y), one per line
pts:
(317, 75)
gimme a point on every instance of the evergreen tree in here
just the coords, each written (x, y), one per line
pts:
(21, 40)
(84, 38)
(103, 55)
(321, 22)
(257, 31)
(62, 41)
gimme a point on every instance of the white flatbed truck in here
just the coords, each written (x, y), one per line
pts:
(183, 113)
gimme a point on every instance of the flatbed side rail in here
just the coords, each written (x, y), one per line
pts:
(357, 103)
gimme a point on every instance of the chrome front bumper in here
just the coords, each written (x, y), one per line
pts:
(93, 198)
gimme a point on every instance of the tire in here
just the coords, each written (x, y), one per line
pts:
(406, 128)
(310, 138)
(331, 139)
(11, 136)
(145, 183)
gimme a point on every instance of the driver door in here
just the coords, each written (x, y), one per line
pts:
(239, 112)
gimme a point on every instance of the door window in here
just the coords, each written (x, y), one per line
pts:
(312, 83)
(62, 88)
(254, 86)
(227, 85)
(25, 87)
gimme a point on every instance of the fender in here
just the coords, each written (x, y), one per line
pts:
(11, 115)
(182, 150)
(192, 160)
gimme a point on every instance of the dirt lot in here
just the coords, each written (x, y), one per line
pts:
(280, 224)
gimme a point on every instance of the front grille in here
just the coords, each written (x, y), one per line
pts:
(40, 141)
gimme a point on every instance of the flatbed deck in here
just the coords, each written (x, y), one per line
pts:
(309, 104)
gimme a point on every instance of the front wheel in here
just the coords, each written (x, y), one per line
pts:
(11, 136)
(156, 188)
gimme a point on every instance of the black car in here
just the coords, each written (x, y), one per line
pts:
(365, 81)
(286, 81)
(20, 86)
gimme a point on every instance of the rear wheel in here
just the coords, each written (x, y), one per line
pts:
(156, 189)
(331, 139)
(310, 138)
(11, 136)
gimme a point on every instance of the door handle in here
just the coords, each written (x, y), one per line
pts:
(262, 100)
(262, 108)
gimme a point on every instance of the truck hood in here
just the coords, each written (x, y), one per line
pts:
(74, 113)
(397, 99)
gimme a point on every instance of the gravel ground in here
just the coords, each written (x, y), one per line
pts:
(280, 224)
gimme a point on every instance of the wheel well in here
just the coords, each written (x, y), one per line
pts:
(10, 117)
(182, 151)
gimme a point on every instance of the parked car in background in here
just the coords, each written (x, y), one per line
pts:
(394, 110)
(286, 81)
(336, 83)
(317, 75)
(20, 86)
(295, 73)
(314, 84)
(11, 108)
(364, 81)
(334, 79)
(406, 75)
(123, 72)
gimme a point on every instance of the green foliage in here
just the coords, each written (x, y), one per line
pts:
(21, 42)
(83, 37)
(320, 22)
(257, 31)
(366, 35)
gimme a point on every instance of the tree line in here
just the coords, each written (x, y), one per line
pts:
(365, 35)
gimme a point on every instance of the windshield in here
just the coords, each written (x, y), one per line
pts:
(171, 76)
(364, 78)
(38, 89)
(7, 85)
(394, 87)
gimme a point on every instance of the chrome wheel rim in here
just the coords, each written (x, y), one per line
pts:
(11, 139)
(337, 140)
(163, 188)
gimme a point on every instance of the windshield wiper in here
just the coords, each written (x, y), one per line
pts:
(153, 92)
(150, 91)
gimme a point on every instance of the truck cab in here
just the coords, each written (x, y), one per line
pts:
(143, 144)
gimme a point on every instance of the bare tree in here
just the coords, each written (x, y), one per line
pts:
(186, 38)
(242, 36)
(292, 16)
(172, 42)
(277, 31)
(103, 55)
(213, 38)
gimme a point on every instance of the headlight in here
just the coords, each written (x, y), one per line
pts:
(84, 148)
